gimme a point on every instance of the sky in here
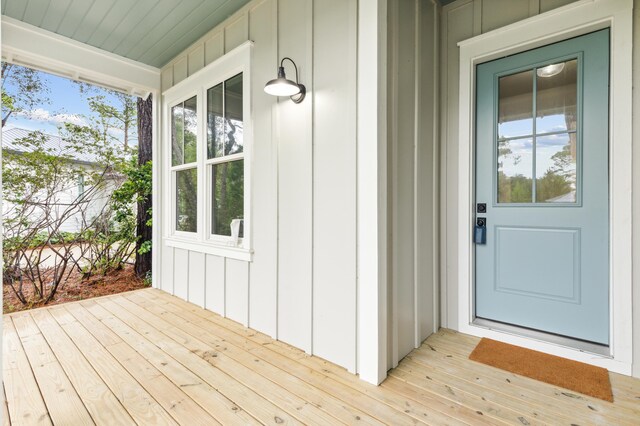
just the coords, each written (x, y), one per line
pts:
(522, 149)
(67, 105)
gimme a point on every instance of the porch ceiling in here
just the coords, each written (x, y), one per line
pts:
(148, 31)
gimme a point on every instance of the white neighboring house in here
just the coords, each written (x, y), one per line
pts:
(84, 161)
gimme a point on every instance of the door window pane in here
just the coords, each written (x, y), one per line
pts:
(515, 170)
(183, 132)
(227, 183)
(556, 168)
(187, 200)
(233, 115)
(556, 97)
(515, 105)
(215, 122)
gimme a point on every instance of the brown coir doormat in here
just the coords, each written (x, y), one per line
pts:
(577, 376)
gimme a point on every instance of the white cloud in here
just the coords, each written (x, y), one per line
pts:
(40, 114)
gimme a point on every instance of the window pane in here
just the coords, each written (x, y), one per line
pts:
(556, 168)
(515, 170)
(187, 200)
(190, 130)
(556, 97)
(233, 115)
(515, 105)
(215, 123)
(177, 135)
(227, 183)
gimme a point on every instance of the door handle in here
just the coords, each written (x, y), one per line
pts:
(480, 231)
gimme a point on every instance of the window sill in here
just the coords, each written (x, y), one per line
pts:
(221, 250)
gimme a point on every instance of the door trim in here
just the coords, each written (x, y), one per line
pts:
(569, 21)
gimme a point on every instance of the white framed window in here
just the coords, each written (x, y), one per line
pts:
(208, 136)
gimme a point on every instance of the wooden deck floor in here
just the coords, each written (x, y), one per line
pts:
(148, 358)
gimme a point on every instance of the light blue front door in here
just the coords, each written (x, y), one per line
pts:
(542, 189)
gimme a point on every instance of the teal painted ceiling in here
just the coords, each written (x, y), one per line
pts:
(148, 31)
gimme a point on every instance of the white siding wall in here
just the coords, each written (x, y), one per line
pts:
(412, 163)
(461, 20)
(636, 186)
(301, 285)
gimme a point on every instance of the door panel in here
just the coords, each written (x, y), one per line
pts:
(542, 171)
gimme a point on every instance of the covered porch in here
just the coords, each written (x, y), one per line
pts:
(147, 357)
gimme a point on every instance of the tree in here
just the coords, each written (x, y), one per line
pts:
(119, 115)
(37, 252)
(30, 90)
(143, 225)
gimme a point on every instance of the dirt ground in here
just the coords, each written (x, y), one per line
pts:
(76, 289)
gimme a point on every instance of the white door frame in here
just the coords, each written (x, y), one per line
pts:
(569, 21)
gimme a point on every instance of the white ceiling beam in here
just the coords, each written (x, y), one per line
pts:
(34, 47)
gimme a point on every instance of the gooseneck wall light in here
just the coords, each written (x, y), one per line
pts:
(282, 86)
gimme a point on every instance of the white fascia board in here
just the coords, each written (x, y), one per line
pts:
(31, 46)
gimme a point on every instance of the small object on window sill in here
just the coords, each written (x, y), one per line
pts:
(235, 230)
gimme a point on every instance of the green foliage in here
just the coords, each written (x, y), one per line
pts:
(36, 186)
(30, 90)
(135, 188)
(228, 182)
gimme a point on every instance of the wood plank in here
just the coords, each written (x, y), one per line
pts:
(212, 399)
(290, 406)
(529, 404)
(111, 352)
(382, 404)
(588, 405)
(98, 399)
(183, 409)
(139, 404)
(21, 388)
(564, 401)
(6, 421)
(199, 341)
(624, 398)
(484, 403)
(62, 400)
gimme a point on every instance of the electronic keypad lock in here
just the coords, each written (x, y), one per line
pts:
(480, 231)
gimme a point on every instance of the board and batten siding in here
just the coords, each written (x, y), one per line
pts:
(413, 174)
(464, 19)
(301, 285)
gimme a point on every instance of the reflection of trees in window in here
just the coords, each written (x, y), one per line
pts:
(187, 200)
(228, 195)
(225, 153)
(184, 132)
(514, 189)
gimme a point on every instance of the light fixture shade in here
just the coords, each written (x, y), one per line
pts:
(281, 87)
(550, 70)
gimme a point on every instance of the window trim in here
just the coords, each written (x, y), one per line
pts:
(234, 62)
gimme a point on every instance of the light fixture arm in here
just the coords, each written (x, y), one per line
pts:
(297, 98)
(294, 66)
